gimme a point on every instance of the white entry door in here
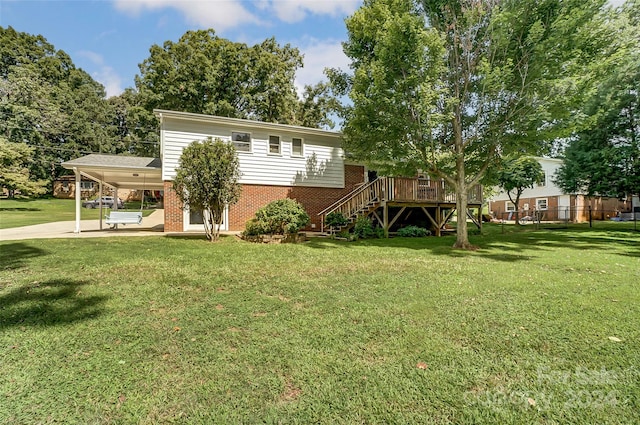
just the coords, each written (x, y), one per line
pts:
(564, 207)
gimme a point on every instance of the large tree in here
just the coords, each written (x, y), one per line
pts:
(605, 160)
(450, 86)
(207, 181)
(50, 105)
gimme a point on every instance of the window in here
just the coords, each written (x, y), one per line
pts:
(541, 203)
(296, 147)
(274, 145)
(543, 180)
(509, 206)
(86, 185)
(241, 141)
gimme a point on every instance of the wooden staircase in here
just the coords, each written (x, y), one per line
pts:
(360, 202)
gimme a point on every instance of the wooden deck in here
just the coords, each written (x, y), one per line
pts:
(388, 196)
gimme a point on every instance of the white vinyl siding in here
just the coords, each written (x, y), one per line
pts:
(321, 166)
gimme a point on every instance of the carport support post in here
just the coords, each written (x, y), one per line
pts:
(78, 200)
(100, 197)
(114, 204)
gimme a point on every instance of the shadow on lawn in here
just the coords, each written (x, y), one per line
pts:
(50, 303)
(512, 247)
(20, 209)
(14, 255)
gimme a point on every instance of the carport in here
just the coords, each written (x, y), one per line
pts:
(117, 172)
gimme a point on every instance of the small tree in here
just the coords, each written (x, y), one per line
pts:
(518, 174)
(14, 169)
(207, 180)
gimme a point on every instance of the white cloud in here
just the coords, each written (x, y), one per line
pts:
(103, 73)
(297, 10)
(318, 55)
(220, 15)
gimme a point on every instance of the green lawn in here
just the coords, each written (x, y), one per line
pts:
(534, 327)
(25, 212)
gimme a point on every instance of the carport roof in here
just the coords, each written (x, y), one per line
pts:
(126, 172)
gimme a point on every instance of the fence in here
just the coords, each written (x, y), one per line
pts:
(566, 217)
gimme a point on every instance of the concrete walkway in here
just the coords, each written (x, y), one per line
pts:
(151, 225)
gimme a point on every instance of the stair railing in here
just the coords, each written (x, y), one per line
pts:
(352, 203)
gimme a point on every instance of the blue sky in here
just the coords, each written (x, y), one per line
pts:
(109, 38)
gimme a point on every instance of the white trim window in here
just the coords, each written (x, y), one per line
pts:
(542, 204)
(297, 146)
(241, 141)
(274, 145)
(509, 206)
(543, 180)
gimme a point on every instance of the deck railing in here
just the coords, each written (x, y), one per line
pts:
(399, 189)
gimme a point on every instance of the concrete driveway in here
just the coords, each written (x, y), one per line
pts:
(151, 225)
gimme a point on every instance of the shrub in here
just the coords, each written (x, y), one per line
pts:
(413, 232)
(363, 228)
(253, 228)
(335, 219)
(281, 217)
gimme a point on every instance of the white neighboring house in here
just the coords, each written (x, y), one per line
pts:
(549, 200)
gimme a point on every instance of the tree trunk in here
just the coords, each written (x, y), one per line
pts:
(462, 235)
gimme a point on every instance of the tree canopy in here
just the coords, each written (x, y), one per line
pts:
(14, 169)
(207, 181)
(605, 159)
(50, 105)
(203, 73)
(448, 87)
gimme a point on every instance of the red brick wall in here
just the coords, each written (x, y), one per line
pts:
(254, 197)
(173, 213)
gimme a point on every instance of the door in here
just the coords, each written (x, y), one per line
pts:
(194, 220)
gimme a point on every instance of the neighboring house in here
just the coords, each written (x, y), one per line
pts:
(552, 204)
(64, 187)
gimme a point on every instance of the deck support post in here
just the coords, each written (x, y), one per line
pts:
(439, 221)
(385, 218)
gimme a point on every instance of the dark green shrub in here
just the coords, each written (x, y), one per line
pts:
(281, 217)
(363, 228)
(253, 228)
(413, 232)
(335, 220)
